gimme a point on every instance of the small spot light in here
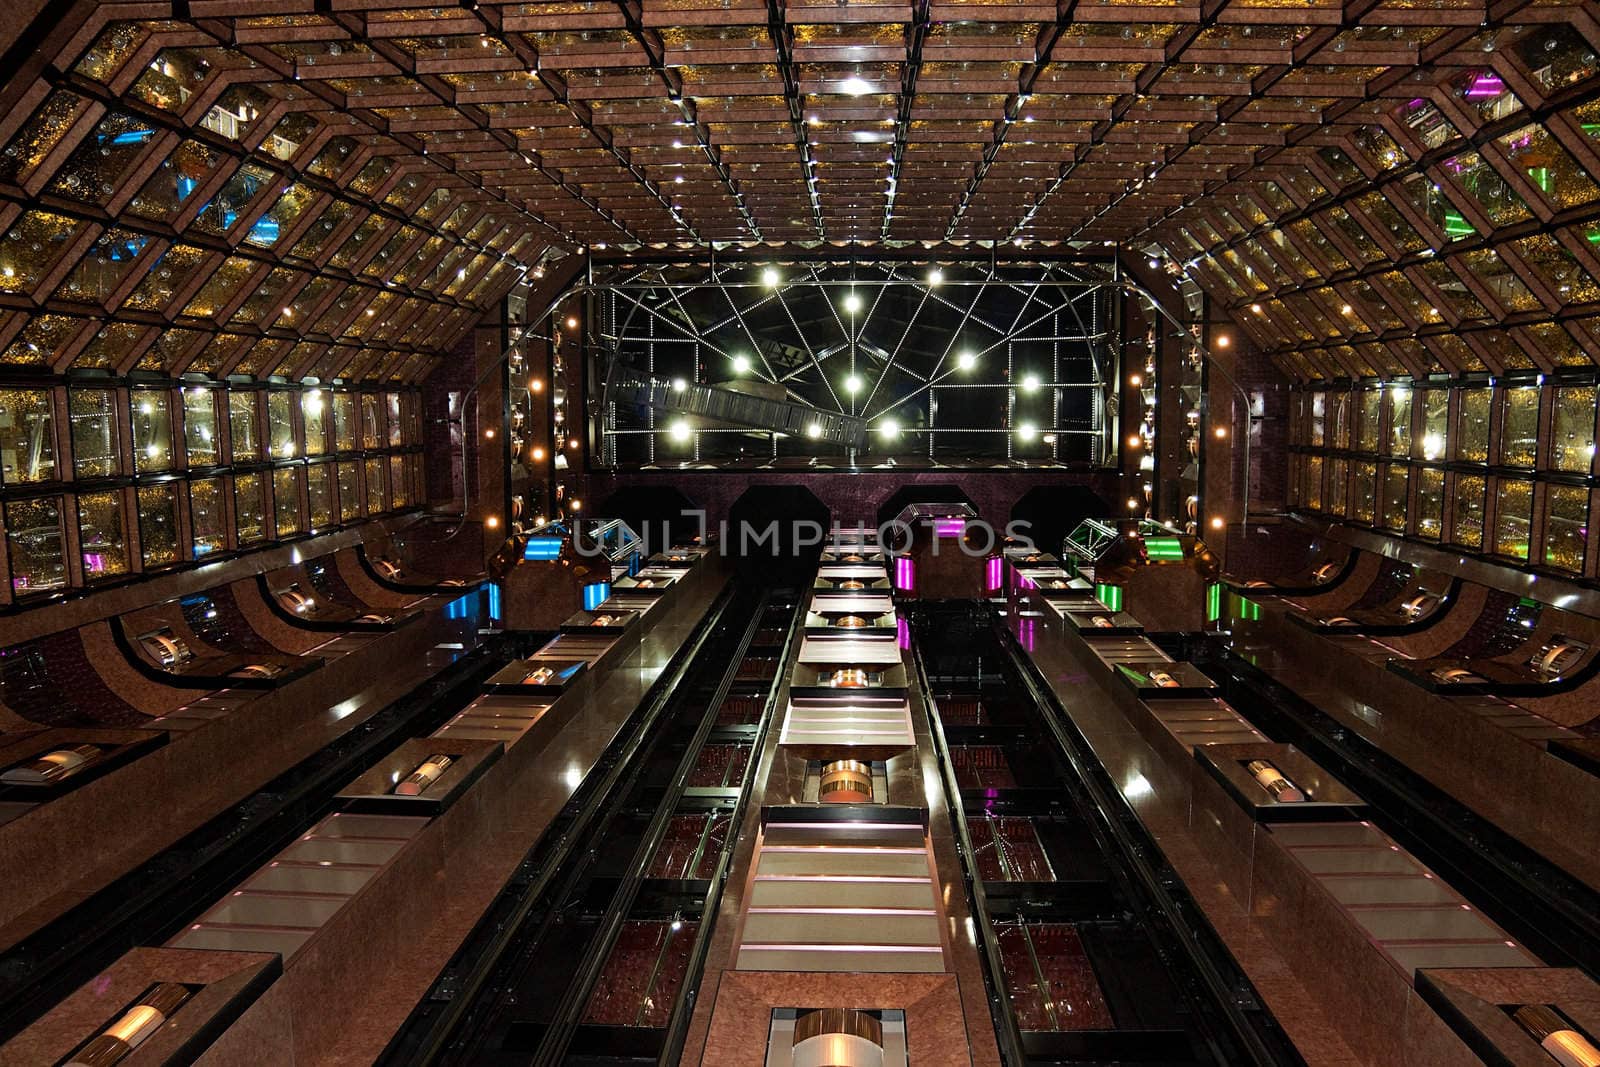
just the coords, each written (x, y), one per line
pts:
(538, 455)
(814, 430)
(935, 276)
(1223, 340)
(967, 360)
(1217, 522)
(489, 433)
(889, 428)
(852, 384)
(680, 430)
(1134, 440)
(573, 443)
(1154, 263)
(1135, 380)
(852, 303)
(1255, 308)
(1027, 431)
(536, 386)
(576, 505)
(741, 364)
(1030, 383)
(1221, 431)
(770, 278)
(572, 322)
(492, 522)
(1133, 503)
(679, 385)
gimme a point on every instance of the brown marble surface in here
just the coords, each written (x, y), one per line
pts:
(100, 1001)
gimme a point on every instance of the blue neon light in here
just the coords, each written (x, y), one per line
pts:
(595, 594)
(542, 548)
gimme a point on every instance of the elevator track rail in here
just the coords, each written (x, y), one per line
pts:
(152, 902)
(544, 978)
(1166, 989)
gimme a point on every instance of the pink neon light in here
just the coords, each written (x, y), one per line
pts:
(905, 574)
(950, 527)
(1486, 85)
(993, 573)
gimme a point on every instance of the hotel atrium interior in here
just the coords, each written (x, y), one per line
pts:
(799, 533)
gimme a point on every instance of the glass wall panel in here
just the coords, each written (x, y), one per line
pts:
(1513, 518)
(1430, 503)
(1566, 527)
(1467, 511)
(396, 429)
(1395, 486)
(1519, 427)
(1399, 421)
(1473, 437)
(244, 422)
(1364, 493)
(344, 421)
(200, 443)
(1572, 437)
(1339, 420)
(376, 496)
(101, 536)
(1312, 492)
(158, 524)
(27, 436)
(319, 491)
(371, 421)
(1371, 401)
(286, 500)
(93, 414)
(249, 510)
(152, 430)
(37, 539)
(280, 425)
(1318, 413)
(208, 515)
(1338, 486)
(1435, 405)
(399, 496)
(314, 416)
(349, 491)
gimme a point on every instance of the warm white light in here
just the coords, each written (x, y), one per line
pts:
(679, 385)
(488, 433)
(1217, 523)
(889, 428)
(1135, 381)
(935, 276)
(852, 303)
(814, 430)
(1134, 440)
(538, 455)
(1433, 445)
(769, 278)
(1223, 341)
(1221, 431)
(1256, 308)
(852, 384)
(491, 522)
(680, 430)
(967, 360)
(572, 322)
(1030, 383)
(1027, 431)
(855, 86)
(741, 364)
(536, 385)
(1133, 503)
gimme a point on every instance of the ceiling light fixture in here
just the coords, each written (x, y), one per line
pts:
(741, 364)
(852, 384)
(852, 303)
(889, 428)
(1030, 383)
(680, 430)
(966, 360)
(855, 86)
(770, 278)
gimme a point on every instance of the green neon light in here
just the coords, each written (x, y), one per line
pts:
(1109, 595)
(1456, 225)
(1163, 548)
(1213, 602)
